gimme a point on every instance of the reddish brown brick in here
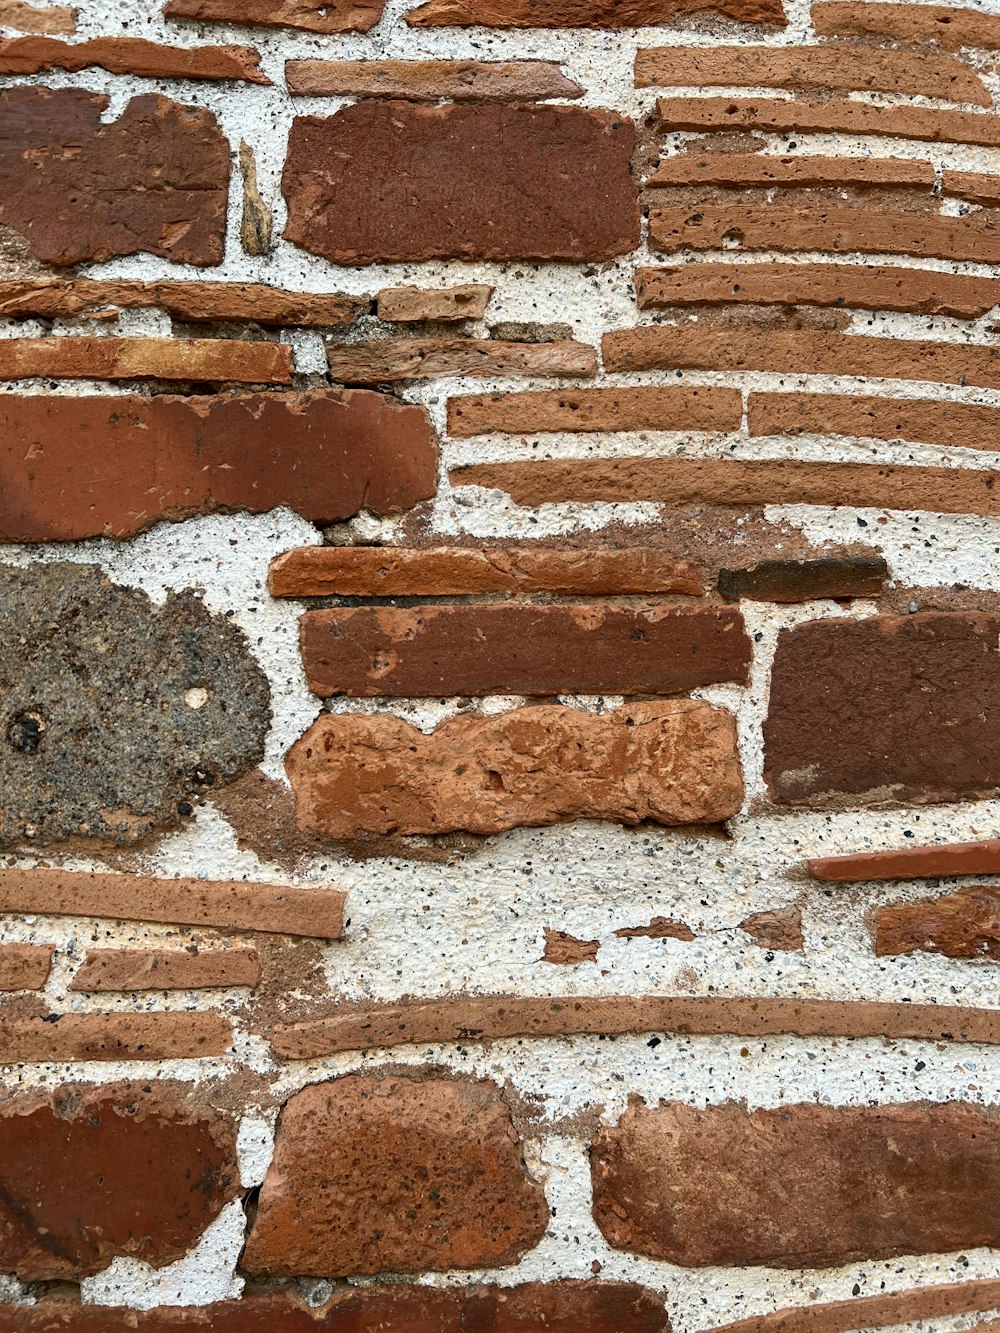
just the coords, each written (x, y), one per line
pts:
(431, 80)
(797, 1187)
(87, 1174)
(959, 925)
(597, 410)
(973, 186)
(586, 13)
(394, 1173)
(412, 305)
(672, 763)
(93, 466)
(25, 966)
(392, 359)
(885, 709)
(312, 15)
(429, 651)
(156, 179)
(957, 858)
(888, 1308)
(949, 424)
(131, 55)
(779, 929)
(166, 969)
(400, 181)
(37, 18)
(660, 928)
(950, 27)
(115, 1036)
(803, 580)
(566, 950)
(200, 360)
(764, 171)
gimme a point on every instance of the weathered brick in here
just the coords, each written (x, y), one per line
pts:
(596, 409)
(566, 950)
(968, 425)
(764, 171)
(803, 580)
(697, 1186)
(886, 709)
(934, 1301)
(57, 1038)
(948, 26)
(672, 763)
(312, 15)
(435, 571)
(412, 305)
(434, 650)
(839, 67)
(391, 359)
(431, 80)
(37, 18)
(957, 858)
(166, 969)
(660, 928)
(89, 1174)
(973, 186)
(200, 360)
(25, 966)
(93, 466)
(393, 1173)
(586, 13)
(965, 924)
(256, 221)
(131, 55)
(228, 905)
(780, 929)
(156, 179)
(396, 180)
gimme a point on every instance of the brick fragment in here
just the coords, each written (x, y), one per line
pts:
(660, 928)
(87, 1175)
(256, 223)
(436, 571)
(383, 180)
(673, 762)
(855, 286)
(596, 409)
(155, 180)
(973, 186)
(37, 18)
(436, 650)
(586, 13)
(465, 1018)
(392, 359)
(201, 360)
(965, 425)
(804, 580)
(965, 924)
(310, 15)
(131, 55)
(95, 466)
(764, 170)
(394, 1173)
(838, 116)
(431, 80)
(566, 950)
(166, 969)
(25, 966)
(957, 858)
(116, 1036)
(779, 929)
(229, 905)
(830, 67)
(696, 1186)
(413, 305)
(934, 490)
(901, 718)
(947, 25)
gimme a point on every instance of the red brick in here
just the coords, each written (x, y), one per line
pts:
(400, 181)
(431, 80)
(804, 580)
(566, 950)
(25, 966)
(586, 13)
(957, 858)
(311, 15)
(885, 709)
(58, 1038)
(797, 1187)
(200, 360)
(156, 179)
(92, 466)
(973, 186)
(87, 1174)
(950, 27)
(779, 929)
(411, 305)
(37, 18)
(391, 359)
(166, 969)
(965, 924)
(764, 171)
(596, 410)
(968, 425)
(394, 1173)
(131, 55)
(431, 651)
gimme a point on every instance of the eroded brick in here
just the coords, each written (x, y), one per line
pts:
(131, 55)
(965, 924)
(391, 359)
(37, 18)
(412, 305)
(58, 1038)
(431, 80)
(948, 26)
(200, 360)
(166, 969)
(311, 15)
(586, 13)
(803, 580)
(25, 966)
(764, 171)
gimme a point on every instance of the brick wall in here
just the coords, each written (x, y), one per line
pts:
(499, 621)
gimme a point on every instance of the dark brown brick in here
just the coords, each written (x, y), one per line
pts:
(804, 580)
(959, 925)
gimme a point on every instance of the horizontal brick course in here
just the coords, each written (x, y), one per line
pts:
(115, 1036)
(973, 186)
(586, 13)
(956, 858)
(24, 966)
(411, 305)
(951, 425)
(310, 15)
(947, 25)
(888, 1308)
(204, 360)
(761, 171)
(131, 55)
(25, 17)
(596, 409)
(393, 359)
(166, 969)
(803, 580)
(430, 80)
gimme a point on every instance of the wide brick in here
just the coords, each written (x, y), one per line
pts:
(947, 25)
(586, 13)
(764, 170)
(90, 1174)
(58, 1038)
(166, 969)
(413, 305)
(894, 708)
(37, 18)
(672, 763)
(935, 490)
(840, 116)
(434, 650)
(840, 67)
(400, 181)
(973, 186)
(131, 55)
(312, 15)
(800, 352)
(156, 179)
(394, 1173)
(435, 571)
(939, 860)
(909, 1306)
(965, 924)
(391, 359)
(854, 286)
(596, 410)
(200, 360)
(89, 467)
(226, 904)
(797, 1187)
(431, 80)
(803, 580)
(950, 425)
(24, 966)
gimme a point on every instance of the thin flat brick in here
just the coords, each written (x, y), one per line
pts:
(166, 969)
(95, 466)
(726, 481)
(832, 67)
(435, 650)
(115, 1036)
(154, 180)
(383, 180)
(764, 170)
(973, 186)
(436, 571)
(25, 966)
(37, 18)
(803, 580)
(956, 858)
(394, 1173)
(672, 763)
(965, 425)
(228, 905)
(660, 928)
(596, 410)
(838, 116)
(586, 13)
(854, 286)
(131, 55)
(466, 1018)
(801, 352)
(201, 360)
(947, 25)
(310, 15)
(431, 80)
(412, 305)
(965, 924)
(797, 1187)
(392, 359)
(890, 709)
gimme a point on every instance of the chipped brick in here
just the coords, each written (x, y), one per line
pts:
(431, 80)
(166, 969)
(391, 359)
